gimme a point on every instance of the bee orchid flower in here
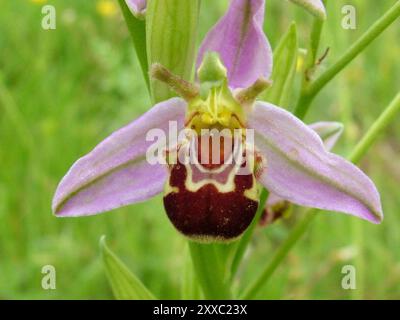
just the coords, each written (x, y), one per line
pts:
(217, 201)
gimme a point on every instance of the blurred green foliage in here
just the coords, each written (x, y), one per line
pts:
(62, 91)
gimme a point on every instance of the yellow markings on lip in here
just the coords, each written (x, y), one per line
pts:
(169, 189)
(253, 192)
(233, 164)
(228, 186)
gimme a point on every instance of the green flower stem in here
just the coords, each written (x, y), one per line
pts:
(376, 129)
(360, 150)
(309, 93)
(210, 271)
(190, 287)
(315, 39)
(137, 29)
(244, 241)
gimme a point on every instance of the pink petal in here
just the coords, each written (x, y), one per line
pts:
(240, 40)
(137, 7)
(116, 173)
(329, 132)
(299, 169)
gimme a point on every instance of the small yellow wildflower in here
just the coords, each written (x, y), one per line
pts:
(38, 1)
(106, 8)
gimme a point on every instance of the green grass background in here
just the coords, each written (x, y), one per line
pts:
(63, 91)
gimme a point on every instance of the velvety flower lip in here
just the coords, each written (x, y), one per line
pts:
(137, 7)
(116, 172)
(299, 168)
(239, 39)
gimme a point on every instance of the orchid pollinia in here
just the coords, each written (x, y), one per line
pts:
(218, 201)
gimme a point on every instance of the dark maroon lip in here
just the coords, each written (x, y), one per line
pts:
(208, 213)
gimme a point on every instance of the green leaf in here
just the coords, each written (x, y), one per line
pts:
(124, 284)
(137, 30)
(285, 61)
(171, 27)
